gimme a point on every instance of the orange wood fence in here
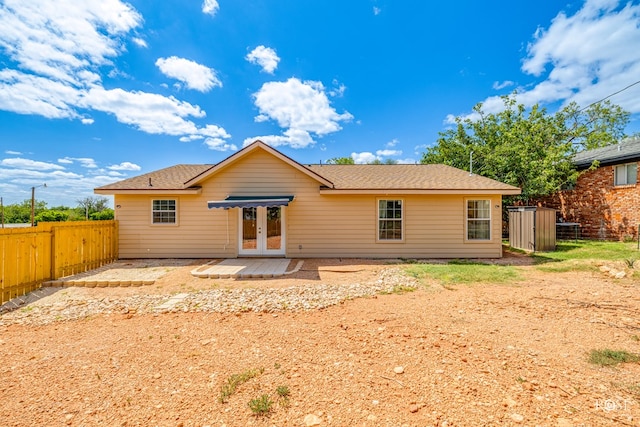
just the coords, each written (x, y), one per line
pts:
(32, 255)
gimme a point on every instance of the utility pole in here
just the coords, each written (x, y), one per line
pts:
(33, 201)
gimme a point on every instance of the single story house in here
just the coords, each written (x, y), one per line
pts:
(605, 200)
(259, 202)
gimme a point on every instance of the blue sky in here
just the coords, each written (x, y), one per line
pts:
(95, 92)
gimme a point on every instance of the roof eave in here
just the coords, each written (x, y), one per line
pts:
(411, 191)
(150, 191)
(250, 148)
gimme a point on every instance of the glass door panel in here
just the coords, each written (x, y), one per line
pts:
(274, 228)
(249, 229)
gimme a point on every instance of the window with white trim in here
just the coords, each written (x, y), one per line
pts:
(478, 219)
(390, 217)
(626, 174)
(164, 211)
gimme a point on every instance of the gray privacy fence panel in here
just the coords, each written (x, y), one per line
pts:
(532, 228)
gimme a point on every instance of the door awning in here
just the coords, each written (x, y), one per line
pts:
(250, 202)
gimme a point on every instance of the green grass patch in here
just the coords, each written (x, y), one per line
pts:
(589, 250)
(607, 357)
(399, 290)
(584, 255)
(261, 406)
(465, 272)
(236, 380)
(567, 266)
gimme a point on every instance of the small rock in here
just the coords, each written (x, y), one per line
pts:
(372, 417)
(312, 420)
(157, 376)
(517, 418)
(509, 402)
(398, 369)
(620, 275)
(414, 408)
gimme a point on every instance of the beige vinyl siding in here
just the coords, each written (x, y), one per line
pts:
(346, 226)
(316, 225)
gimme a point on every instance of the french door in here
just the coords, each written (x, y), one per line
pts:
(262, 231)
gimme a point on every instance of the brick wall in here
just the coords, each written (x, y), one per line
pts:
(603, 210)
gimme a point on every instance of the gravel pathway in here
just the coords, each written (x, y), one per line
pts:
(295, 298)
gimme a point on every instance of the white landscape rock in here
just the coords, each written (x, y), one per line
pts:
(398, 369)
(312, 420)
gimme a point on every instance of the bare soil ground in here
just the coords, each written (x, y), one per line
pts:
(480, 355)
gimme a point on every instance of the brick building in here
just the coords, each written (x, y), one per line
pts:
(605, 200)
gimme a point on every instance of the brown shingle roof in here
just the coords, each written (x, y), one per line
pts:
(375, 178)
(344, 177)
(171, 178)
(405, 177)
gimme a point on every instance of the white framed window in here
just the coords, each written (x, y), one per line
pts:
(626, 174)
(390, 220)
(164, 211)
(478, 219)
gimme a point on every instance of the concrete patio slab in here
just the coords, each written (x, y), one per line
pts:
(246, 268)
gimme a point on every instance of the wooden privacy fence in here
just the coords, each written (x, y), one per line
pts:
(32, 255)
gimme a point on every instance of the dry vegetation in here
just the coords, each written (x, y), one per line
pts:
(516, 353)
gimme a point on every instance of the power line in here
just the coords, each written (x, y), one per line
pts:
(607, 97)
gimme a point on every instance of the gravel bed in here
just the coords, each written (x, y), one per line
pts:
(295, 298)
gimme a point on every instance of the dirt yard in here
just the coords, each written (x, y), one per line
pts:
(480, 355)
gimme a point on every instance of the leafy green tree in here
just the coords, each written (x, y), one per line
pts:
(341, 161)
(527, 148)
(90, 205)
(383, 162)
(51, 215)
(102, 215)
(20, 213)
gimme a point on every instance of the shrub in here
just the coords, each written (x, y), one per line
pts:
(261, 406)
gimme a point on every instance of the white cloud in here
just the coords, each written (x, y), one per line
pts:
(266, 57)
(376, 10)
(61, 47)
(194, 75)
(28, 94)
(219, 144)
(502, 85)
(152, 113)
(85, 162)
(407, 161)
(364, 157)
(190, 138)
(392, 143)
(302, 108)
(58, 39)
(28, 164)
(294, 138)
(139, 42)
(210, 7)
(13, 153)
(583, 57)
(338, 90)
(388, 153)
(125, 166)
